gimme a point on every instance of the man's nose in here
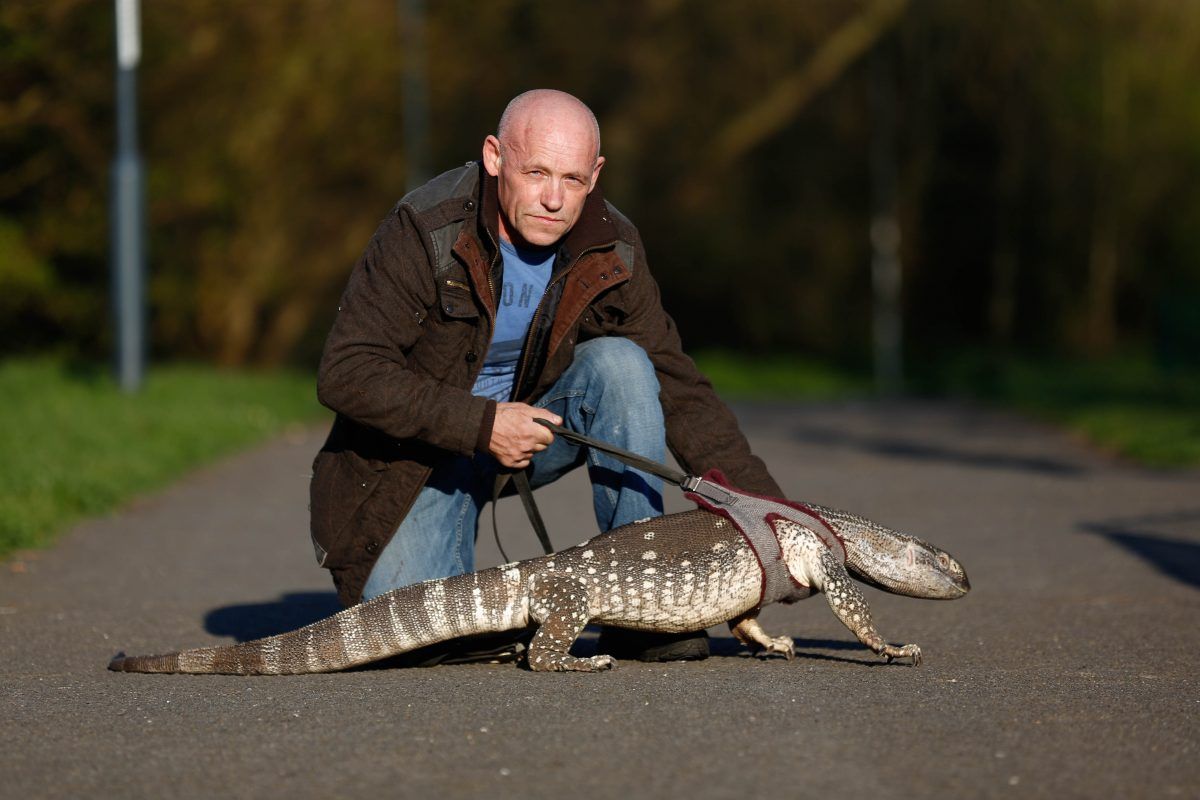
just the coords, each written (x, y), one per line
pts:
(552, 195)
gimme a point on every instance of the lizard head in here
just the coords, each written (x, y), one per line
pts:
(894, 561)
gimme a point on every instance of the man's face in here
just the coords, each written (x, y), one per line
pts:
(544, 173)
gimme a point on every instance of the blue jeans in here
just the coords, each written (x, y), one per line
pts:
(609, 393)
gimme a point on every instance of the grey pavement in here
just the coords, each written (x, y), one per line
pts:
(1067, 672)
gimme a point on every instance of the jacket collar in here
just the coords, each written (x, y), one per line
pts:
(594, 229)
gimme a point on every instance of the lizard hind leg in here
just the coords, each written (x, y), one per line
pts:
(559, 604)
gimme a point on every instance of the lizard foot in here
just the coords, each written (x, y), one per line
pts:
(779, 645)
(912, 651)
(559, 662)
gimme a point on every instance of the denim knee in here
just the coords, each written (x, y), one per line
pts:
(620, 365)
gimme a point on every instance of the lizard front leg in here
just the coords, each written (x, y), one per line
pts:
(851, 608)
(747, 631)
(559, 604)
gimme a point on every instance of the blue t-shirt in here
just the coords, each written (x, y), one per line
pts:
(526, 273)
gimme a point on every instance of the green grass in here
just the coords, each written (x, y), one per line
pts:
(73, 445)
(741, 377)
(1127, 405)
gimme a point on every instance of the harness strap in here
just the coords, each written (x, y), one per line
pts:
(754, 516)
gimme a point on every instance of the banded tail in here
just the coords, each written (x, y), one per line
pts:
(408, 618)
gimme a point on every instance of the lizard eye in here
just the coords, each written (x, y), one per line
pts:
(943, 561)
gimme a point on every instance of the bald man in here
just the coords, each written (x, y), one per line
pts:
(500, 292)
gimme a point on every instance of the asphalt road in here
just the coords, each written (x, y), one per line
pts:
(1067, 672)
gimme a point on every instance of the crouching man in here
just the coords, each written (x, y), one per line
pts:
(501, 292)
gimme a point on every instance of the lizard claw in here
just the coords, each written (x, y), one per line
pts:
(603, 662)
(891, 653)
(779, 645)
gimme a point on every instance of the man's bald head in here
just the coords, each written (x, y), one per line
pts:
(546, 159)
(548, 107)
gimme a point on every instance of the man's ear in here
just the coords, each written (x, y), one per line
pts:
(596, 173)
(491, 156)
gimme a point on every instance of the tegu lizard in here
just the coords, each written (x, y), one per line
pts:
(675, 573)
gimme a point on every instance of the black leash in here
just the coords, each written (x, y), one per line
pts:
(632, 459)
(689, 483)
(520, 479)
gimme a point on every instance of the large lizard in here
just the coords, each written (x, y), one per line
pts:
(675, 573)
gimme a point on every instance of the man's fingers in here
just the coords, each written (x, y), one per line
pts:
(516, 437)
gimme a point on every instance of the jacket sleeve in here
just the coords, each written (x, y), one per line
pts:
(365, 372)
(702, 432)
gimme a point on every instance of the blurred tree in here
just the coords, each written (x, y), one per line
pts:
(55, 135)
(273, 153)
(1045, 188)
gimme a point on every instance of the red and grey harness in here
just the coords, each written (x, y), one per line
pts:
(753, 515)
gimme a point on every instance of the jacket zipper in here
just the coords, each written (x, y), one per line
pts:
(492, 291)
(524, 362)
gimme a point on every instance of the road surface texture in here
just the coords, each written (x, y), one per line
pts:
(1067, 672)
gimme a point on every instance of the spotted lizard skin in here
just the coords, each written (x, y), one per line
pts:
(676, 573)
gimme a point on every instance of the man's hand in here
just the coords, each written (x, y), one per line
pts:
(515, 435)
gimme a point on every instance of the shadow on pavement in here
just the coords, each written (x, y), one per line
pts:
(1176, 558)
(729, 647)
(893, 447)
(256, 620)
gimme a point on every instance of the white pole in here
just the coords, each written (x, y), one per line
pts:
(127, 209)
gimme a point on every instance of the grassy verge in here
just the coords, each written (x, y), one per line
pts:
(741, 377)
(74, 445)
(1127, 405)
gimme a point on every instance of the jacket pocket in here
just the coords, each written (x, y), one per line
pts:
(456, 300)
(341, 483)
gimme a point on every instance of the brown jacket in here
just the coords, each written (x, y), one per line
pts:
(410, 337)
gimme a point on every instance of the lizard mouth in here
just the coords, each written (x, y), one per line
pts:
(917, 582)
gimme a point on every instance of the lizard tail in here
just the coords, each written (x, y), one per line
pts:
(405, 619)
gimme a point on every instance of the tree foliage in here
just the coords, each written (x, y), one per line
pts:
(1046, 162)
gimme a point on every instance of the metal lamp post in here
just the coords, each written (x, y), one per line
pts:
(127, 208)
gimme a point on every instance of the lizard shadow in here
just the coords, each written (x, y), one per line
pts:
(729, 647)
(806, 649)
(246, 621)
(293, 610)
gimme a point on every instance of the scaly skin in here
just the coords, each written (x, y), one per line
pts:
(680, 572)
